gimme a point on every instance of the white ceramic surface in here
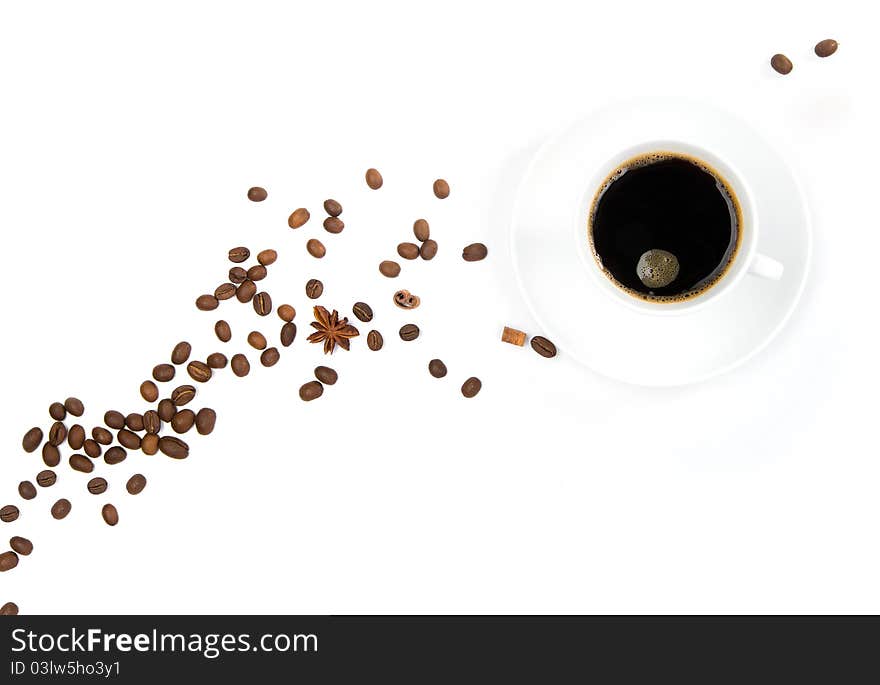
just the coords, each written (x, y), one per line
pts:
(600, 331)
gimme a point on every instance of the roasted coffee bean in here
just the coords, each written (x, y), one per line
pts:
(543, 346)
(150, 444)
(311, 391)
(149, 391)
(441, 189)
(826, 48)
(406, 300)
(110, 515)
(471, 387)
(8, 561)
(183, 420)
(57, 411)
(114, 419)
(240, 365)
(428, 250)
(21, 545)
(32, 439)
(9, 609)
(173, 447)
(46, 479)
(136, 484)
(474, 252)
(9, 513)
(362, 311)
(437, 368)
(128, 440)
(199, 371)
(101, 435)
(316, 248)
(257, 272)
(60, 509)
(205, 420)
(76, 437)
(224, 291)
(152, 422)
(237, 275)
(263, 304)
(781, 64)
(223, 331)
(389, 269)
(180, 353)
(97, 486)
(116, 455)
(373, 178)
(237, 255)
(51, 455)
(80, 463)
(409, 332)
(408, 250)
(332, 207)
(74, 407)
(92, 448)
(26, 490)
(163, 372)
(134, 422)
(375, 341)
(217, 360)
(257, 194)
(270, 357)
(286, 313)
(288, 334)
(333, 224)
(57, 433)
(207, 303)
(314, 289)
(246, 291)
(298, 217)
(326, 375)
(421, 230)
(167, 409)
(267, 257)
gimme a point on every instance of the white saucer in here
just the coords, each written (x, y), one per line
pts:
(625, 344)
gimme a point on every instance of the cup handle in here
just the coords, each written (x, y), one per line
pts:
(766, 267)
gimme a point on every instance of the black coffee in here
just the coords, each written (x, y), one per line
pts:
(665, 227)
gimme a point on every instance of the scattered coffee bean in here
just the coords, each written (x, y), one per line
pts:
(246, 291)
(311, 391)
(8, 561)
(513, 336)
(257, 272)
(116, 455)
(263, 304)
(240, 365)
(51, 455)
(441, 189)
(428, 250)
(257, 340)
(92, 448)
(316, 248)
(167, 409)
(375, 341)
(471, 387)
(314, 289)
(57, 411)
(826, 48)
(163, 372)
(114, 419)
(110, 515)
(223, 331)
(26, 490)
(286, 313)
(21, 545)
(257, 194)
(237, 255)
(362, 311)
(207, 303)
(183, 420)
(97, 486)
(237, 275)
(409, 332)
(46, 479)
(60, 509)
(180, 353)
(437, 368)
(408, 250)
(9, 513)
(74, 406)
(78, 462)
(389, 269)
(205, 420)
(421, 230)
(267, 257)
(173, 447)
(136, 484)
(288, 334)
(9, 609)
(149, 391)
(333, 224)
(102, 435)
(326, 375)
(76, 437)
(32, 439)
(298, 217)
(225, 291)
(373, 178)
(152, 423)
(128, 440)
(270, 357)
(543, 346)
(134, 422)
(406, 300)
(781, 64)
(332, 207)
(57, 433)
(150, 444)
(217, 360)
(183, 395)
(474, 252)
(199, 371)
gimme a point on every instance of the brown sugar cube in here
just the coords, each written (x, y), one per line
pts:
(513, 336)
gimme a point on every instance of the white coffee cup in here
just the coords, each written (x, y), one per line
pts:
(746, 260)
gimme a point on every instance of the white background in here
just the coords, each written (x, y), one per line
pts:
(129, 138)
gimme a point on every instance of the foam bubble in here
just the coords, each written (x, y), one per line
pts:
(657, 268)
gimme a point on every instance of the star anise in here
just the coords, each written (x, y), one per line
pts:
(331, 330)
